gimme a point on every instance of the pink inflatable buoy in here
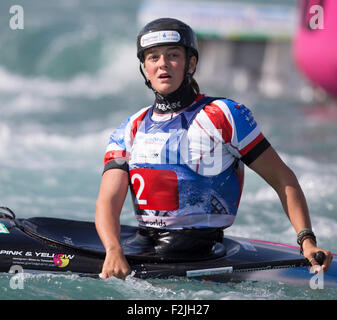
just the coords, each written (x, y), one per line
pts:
(315, 43)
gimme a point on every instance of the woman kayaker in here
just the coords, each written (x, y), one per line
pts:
(183, 158)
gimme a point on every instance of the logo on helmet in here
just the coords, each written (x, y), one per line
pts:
(159, 37)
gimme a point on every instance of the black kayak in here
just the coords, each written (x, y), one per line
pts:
(48, 245)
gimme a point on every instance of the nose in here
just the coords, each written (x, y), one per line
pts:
(162, 61)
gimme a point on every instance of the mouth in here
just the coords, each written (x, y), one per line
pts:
(164, 76)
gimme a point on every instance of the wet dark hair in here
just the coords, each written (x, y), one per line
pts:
(195, 86)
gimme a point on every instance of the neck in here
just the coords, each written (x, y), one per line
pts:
(175, 101)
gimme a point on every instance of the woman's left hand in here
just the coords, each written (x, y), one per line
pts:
(309, 251)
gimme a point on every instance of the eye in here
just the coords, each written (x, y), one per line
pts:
(152, 57)
(174, 54)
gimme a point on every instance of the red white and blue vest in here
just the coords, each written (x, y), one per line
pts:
(185, 169)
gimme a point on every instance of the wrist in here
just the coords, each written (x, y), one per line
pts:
(308, 243)
(114, 250)
(306, 238)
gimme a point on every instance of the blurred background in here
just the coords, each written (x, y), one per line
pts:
(70, 76)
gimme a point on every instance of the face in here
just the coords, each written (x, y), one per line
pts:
(164, 67)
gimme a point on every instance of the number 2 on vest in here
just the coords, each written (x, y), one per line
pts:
(141, 188)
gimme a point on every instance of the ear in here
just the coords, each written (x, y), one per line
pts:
(192, 65)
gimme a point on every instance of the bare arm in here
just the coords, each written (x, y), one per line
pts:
(112, 193)
(279, 176)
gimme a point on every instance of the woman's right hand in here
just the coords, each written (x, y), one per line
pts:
(112, 193)
(115, 265)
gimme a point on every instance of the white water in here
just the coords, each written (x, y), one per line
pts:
(54, 129)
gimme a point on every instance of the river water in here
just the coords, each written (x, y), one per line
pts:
(67, 80)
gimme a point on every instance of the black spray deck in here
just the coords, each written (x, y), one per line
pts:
(61, 245)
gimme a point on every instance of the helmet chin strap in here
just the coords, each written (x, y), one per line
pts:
(147, 81)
